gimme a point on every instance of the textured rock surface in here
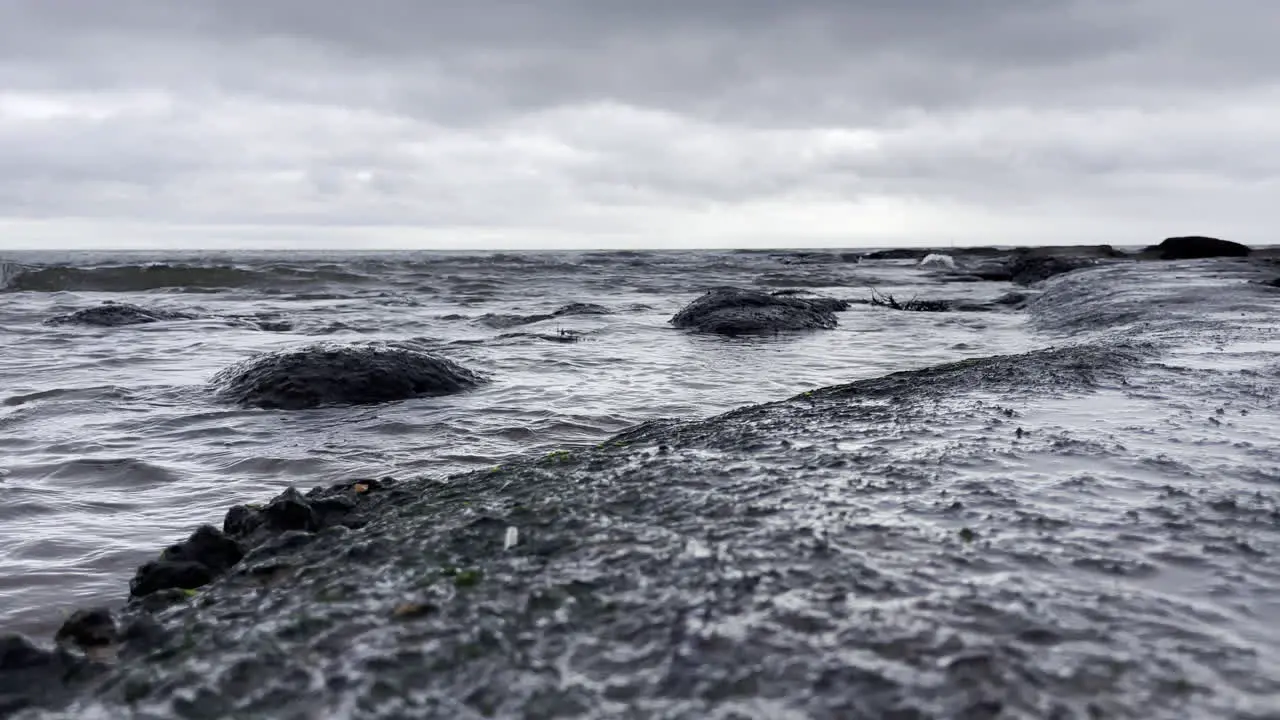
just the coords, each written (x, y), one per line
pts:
(1030, 269)
(734, 311)
(329, 374)
(928, 544)
(113, 314)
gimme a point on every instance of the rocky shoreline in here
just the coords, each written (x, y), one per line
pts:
(590, 584)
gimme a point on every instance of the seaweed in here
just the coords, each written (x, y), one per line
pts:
(913, 305)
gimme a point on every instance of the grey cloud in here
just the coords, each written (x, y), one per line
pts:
(748, 61)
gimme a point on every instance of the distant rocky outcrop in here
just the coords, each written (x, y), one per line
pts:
(1191, 247)
(331, 374)
(735, 311)
(897, 254)
(113, 314)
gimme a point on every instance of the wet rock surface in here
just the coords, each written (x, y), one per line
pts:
(32, 676)
(190, 564)
(735, 311)
(92, 639)
(113, 314)
(1026, 269)
(92, 628)
(929, 544)
(1191, 247)
(332, 374)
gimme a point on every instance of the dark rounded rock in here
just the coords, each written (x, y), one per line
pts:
(290, 511)
(208, 546)
(329, 374)
(734, 311)
(582, 309)
(113, 314)
(241, 521)
(166, 574)
(1191, 247)
(329, 509)
(95, 627)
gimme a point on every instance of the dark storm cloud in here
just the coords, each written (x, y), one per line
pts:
(566, 115)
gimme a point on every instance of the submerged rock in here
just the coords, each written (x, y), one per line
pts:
(503, 321)
(113, 314)
(734, 311)
(329, 374)
(1191, 247)
(1027, 269)
(582, 309)
(89, 629)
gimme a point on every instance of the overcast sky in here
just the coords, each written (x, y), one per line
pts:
(650, 123)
